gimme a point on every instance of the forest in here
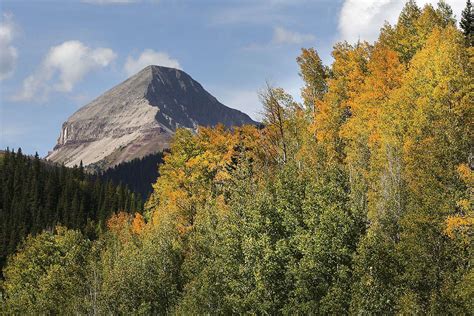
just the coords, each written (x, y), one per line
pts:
(36, 196)
(137, 174)
(357, 201)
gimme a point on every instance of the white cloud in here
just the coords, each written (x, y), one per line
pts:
(63, 67)
(9, 54)
(149, 57)
(284, 36)
(362, 19)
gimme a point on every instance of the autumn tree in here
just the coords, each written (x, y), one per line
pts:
(348, 73)
(358, 201)
(314, 75)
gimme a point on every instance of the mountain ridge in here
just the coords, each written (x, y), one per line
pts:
(138, 117)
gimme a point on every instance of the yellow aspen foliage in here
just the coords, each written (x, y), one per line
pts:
(437, 117)
(462, 224)
(384, 75)
(403, 37)
(195, 170)
(348, 74)
(314, 74)
(413, 28)
(465, 205)
(466, 174)
(428, 20)
(364, 132)
(459, 224)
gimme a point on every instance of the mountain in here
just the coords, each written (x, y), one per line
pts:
(138, 117)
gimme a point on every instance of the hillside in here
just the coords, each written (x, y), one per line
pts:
(138, 174)
(37, 196)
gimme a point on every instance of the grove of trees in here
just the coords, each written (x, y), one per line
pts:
(35, 195)
(137, 174)
(358, 201)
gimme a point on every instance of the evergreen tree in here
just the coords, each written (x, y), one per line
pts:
(35, 196)
(138, 174)
(467, 23)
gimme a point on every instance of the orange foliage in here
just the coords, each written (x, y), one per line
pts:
(349, 72)
(138, 223)
(117, 222)
(119, 225)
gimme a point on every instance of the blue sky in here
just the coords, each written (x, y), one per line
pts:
(57, 55)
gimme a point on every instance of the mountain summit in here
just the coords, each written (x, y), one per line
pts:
(138, 117)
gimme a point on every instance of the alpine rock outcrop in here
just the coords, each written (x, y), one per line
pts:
(138, 117)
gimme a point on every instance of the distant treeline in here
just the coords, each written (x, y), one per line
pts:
(138, 174)
(35, 195)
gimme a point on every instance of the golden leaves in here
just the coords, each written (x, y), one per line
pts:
(195, 170)
(461, 225)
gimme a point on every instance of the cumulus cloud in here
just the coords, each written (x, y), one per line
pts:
(362, 19)
(9, 54)
(149, 57)
(284, 36)
(63, 67)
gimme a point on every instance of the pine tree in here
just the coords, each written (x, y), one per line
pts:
(445, 12)
(36, 196)
(467, 23)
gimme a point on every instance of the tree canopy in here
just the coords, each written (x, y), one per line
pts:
(358, 201)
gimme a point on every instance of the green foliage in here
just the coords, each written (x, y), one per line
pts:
(139, 272)
(35, 195)
(467, 23)
(47, 275)
(138, 174)
(359, 202)
(376, 272)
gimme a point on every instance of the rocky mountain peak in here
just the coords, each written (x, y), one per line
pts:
(138, 117)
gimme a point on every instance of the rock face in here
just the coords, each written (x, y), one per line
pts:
(138, 117)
